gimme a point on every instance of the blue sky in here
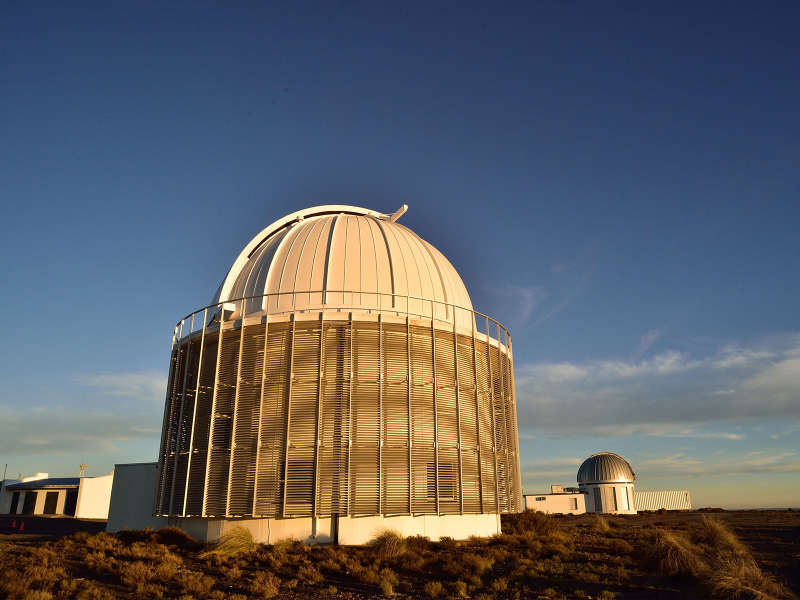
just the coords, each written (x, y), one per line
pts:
(616, 183)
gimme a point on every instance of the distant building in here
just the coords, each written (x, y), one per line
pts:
(560, 500)
(82, 497)
(606, 487)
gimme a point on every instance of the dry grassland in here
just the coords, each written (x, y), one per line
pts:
(687, 555)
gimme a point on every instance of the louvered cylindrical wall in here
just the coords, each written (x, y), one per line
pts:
(337, 413)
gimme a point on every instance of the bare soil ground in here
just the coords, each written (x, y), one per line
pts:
(567, 557)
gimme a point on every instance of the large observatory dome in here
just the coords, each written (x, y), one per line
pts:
(348, 256)
(605, 467)
(341, 372)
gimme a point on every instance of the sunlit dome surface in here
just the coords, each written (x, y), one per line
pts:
(335, 249)
(605, 467)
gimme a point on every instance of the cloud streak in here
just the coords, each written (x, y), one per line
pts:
(671, 394)
(149, 386)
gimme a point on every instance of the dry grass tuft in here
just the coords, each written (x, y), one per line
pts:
(433, 589)
(737, 577)
(235, 540)
(388, 544)
(715, 533)
(672, 554)
(600, 524)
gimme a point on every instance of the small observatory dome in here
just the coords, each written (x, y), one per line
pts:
(605, 467)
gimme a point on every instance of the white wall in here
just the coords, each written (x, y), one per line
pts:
(556, 503)
(352, 530)
(132, 495)
(94, 497)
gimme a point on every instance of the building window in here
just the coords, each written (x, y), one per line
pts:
(573, 503)
(540, 498)
(630, 500)
(614, 490)
(598, 502)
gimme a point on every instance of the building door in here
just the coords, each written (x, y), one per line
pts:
(14, 503)
(29, 504)
(71, 503)
(598, 502)
(50, 503)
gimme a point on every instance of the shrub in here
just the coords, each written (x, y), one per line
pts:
(195, 583)
(433, 589)
(310, 574)
(499, 585)
(234, 541)
(620, 547)
(606, 595)
(460, 588)
(136, 573)
(418, 543)
(388, 544)
(530, 520)
(265, 585)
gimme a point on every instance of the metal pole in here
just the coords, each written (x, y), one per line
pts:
(178, 430)
(288, 415)
(315, 502)
(458, 417)
(477, 413)
(494, 428)
(380, 413)
(435, 411)
(408, 388)
(349, 415)
(503, 405)
(194, 410)
(235, 414)
(213, 411)
(261, 408)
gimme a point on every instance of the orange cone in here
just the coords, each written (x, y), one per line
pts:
(22, 526)
(14, 524)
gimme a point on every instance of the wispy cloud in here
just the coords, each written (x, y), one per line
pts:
(150, 386)
(647, 341)
(519, 303)
(671, 394)
(64, 430)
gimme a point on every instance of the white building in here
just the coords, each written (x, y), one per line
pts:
(81, 497)
(340, 382)
(560, 500)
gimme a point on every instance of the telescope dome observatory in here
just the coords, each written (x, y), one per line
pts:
(339, 382)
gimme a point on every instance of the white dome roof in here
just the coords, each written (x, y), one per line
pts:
(605, 467)
(347, 249)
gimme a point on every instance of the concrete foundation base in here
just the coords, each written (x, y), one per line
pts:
(343, 530)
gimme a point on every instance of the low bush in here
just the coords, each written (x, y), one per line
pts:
(530, 520)
(433, 589)
(265, 585)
